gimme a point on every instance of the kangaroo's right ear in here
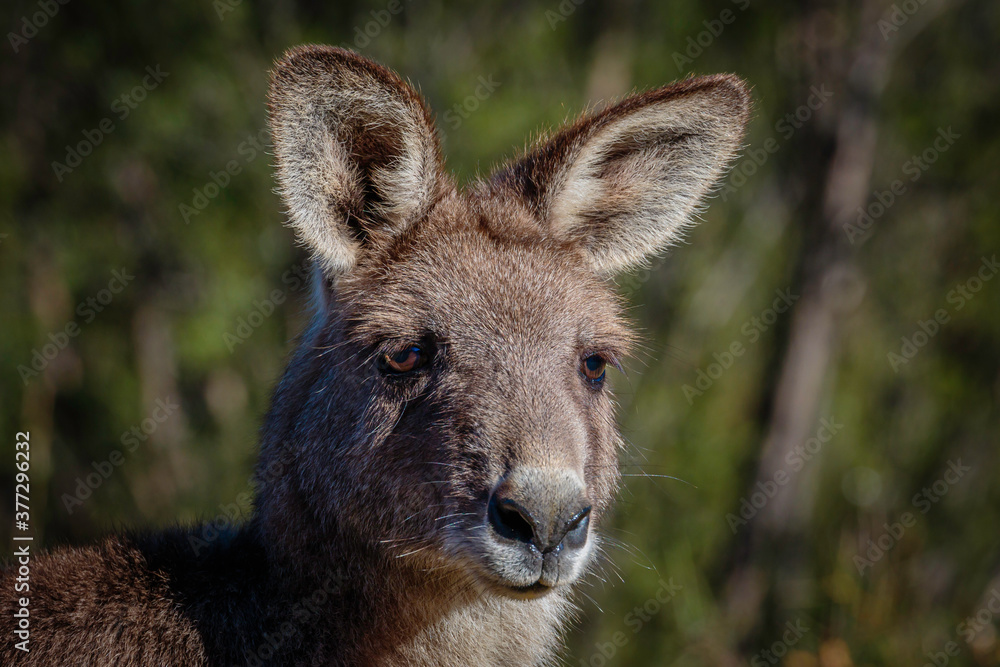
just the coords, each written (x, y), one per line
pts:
(358, 160)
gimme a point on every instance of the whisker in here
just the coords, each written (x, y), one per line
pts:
(592, 600)
(410, 553)
(646, 474)
(448, 516)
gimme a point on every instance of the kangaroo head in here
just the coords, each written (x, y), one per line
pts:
(448, 406)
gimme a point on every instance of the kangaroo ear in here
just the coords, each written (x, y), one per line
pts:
(624, 183)
(358, 160)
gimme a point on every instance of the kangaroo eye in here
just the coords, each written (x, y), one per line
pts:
(406, 360)
(593, 368)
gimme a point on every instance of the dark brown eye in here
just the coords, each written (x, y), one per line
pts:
(593, 368)
(404, 361)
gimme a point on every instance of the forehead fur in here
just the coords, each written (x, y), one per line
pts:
(484, 275)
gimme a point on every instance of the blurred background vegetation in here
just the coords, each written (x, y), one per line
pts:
(770, 525)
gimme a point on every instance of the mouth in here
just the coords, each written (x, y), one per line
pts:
(504, 574)
(529, 592)
(514, 572)
(535, 590)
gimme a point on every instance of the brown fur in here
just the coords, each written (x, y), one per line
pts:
(375, 545)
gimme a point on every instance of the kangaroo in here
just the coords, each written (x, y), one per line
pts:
(443, 445)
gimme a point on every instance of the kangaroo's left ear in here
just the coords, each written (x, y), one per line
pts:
(624, 183)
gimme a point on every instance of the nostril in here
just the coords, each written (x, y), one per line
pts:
(510, 520)
(578, 520)
(576, 529)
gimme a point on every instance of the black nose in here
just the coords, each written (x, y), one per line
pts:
(546, 531)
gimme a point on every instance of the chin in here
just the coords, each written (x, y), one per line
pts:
(512, 574)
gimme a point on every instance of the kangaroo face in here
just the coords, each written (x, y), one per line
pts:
(487, 357)
(450, 407)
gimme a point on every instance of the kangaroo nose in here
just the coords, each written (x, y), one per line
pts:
(546, 510)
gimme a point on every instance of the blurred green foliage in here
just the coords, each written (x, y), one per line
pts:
(184, 330)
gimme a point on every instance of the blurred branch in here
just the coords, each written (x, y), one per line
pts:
(831, 286)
